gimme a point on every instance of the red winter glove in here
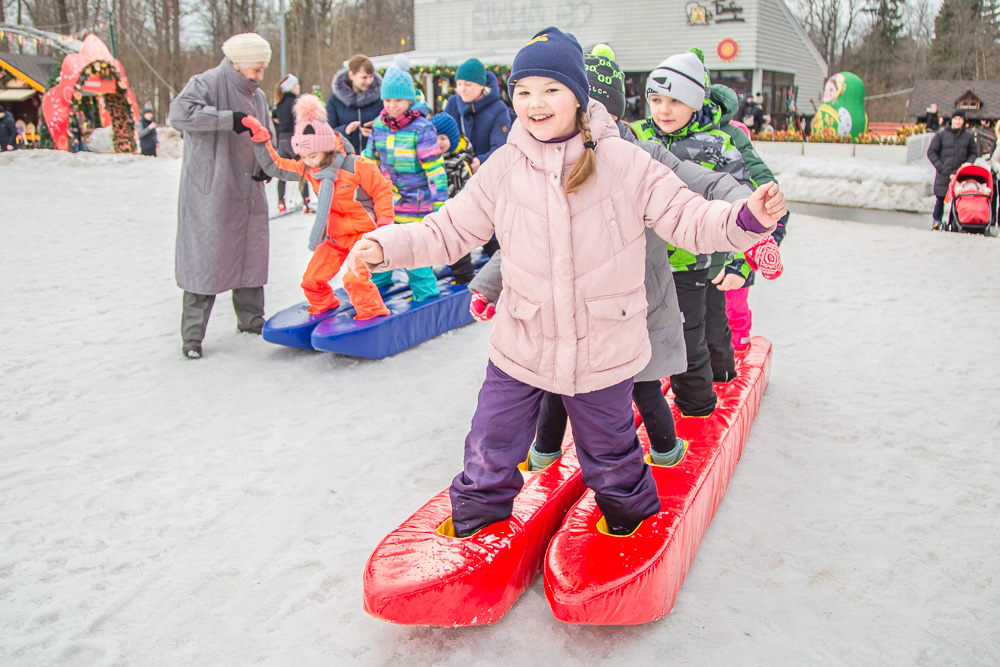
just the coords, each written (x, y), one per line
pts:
(259, 133)
(481, 309)
(766, 258)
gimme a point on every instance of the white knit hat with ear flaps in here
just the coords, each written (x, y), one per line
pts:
(247, 48)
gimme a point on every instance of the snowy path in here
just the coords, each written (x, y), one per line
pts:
(157, 511)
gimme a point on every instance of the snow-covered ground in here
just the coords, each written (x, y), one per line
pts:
(845, 181)
(158, 511)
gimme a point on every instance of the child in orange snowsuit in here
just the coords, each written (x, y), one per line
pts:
(354, 198)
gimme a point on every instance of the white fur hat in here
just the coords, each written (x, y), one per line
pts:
(246, 49)
(288, 82)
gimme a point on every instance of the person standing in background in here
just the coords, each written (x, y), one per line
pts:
(355, 100)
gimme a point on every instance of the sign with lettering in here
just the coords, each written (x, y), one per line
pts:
(515, 19)
(721, 12)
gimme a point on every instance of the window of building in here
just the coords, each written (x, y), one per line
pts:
(778, 89)
(969, 101)
(740, 80)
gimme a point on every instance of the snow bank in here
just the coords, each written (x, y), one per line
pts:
(101, 140)
(157, 511)
(171, 142)
(853, 182)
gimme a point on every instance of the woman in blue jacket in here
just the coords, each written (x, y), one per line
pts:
(477, 108)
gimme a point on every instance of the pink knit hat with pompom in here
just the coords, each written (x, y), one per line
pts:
(312, 133)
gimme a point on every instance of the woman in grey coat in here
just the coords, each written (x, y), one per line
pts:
(222, 218)
(663, 315)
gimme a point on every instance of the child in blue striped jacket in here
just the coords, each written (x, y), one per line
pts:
(404, 145)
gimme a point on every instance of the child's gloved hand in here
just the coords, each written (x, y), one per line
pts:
(481, 308)
(767, 204)
(259, 134)
(766, 258)
(366, 251)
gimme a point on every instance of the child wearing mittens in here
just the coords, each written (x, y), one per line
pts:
(354, 198)
(685, 121)
(403, 143)
(570, 203)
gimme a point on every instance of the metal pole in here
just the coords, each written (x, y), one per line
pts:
(111, 32)
(282, 10)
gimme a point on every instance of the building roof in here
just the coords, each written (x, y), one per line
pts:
(36, 68)
(946, 93)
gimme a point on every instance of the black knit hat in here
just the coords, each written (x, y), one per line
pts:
(607, 83)
(958, 112)
(554, 54)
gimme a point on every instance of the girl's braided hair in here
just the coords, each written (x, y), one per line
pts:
(586, 166)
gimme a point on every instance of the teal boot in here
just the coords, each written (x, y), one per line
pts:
(671, 458)
(538, 461)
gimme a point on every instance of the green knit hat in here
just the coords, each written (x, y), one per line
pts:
(471, 70)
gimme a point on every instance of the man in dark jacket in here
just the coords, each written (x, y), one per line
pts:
(950, 149)
(8, 131)
(147, 133)
(355, 100)
(477, 108)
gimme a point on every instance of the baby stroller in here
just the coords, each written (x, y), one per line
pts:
(973, 201)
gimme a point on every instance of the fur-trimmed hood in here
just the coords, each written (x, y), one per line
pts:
(341, 88)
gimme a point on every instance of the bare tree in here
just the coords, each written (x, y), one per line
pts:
(831, 26)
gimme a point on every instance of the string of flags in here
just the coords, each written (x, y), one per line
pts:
(21, 39)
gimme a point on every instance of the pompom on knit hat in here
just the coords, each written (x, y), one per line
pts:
(312, 133)
(471, 70)
(447, 126)
(607, 83)
(681, 77)
(398, 85)
(246, 49)
(553, 54)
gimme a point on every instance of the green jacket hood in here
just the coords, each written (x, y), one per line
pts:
(727, 100)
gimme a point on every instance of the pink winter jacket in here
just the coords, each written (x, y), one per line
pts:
(572, 316)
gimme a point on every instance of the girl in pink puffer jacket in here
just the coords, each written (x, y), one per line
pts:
(569, 201)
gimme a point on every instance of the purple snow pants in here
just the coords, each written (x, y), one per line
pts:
(503, 429)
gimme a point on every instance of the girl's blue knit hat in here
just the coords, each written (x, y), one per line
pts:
(447, 126)
(398, 85)
(553, 54)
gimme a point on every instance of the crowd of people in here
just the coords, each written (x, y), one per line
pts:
(568, 200)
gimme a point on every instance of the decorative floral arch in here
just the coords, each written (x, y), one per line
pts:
(92, 70)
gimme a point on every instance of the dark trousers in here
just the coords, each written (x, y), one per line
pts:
(693, 392)
(648, 398)
(248, 302)
(503, 428)
(718, 335)
(938, 213)
(462, 271)
(491, 246)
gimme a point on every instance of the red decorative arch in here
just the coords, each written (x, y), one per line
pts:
(92, 70)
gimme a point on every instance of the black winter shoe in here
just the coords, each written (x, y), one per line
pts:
(623, 530)
(256, 331)
(192, 349)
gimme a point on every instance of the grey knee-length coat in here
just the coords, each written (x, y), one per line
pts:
(222, 218)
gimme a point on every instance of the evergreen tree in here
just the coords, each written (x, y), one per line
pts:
(965, 44)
